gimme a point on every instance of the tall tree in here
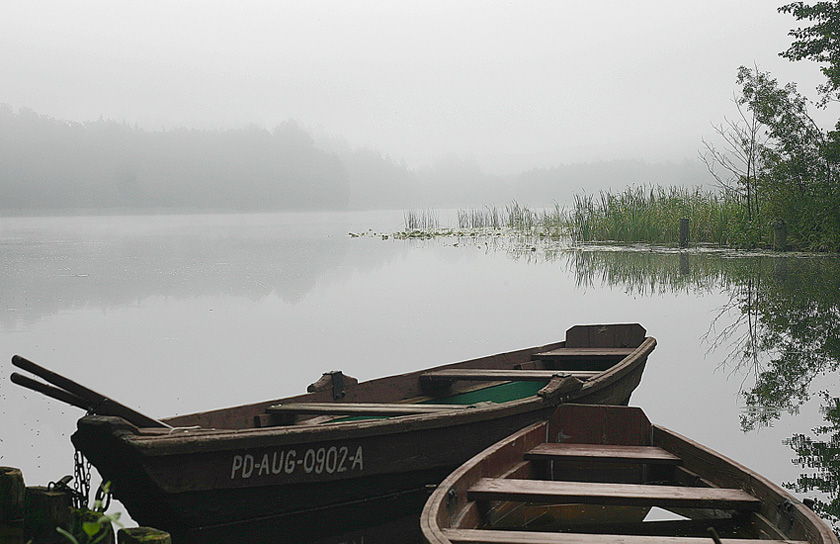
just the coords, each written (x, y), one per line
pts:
(819, 42)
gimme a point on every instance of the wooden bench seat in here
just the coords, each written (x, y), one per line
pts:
(486, 536)
(553, 451)
(360, 408)
(556, 492)
(487, 374)
(592, 354)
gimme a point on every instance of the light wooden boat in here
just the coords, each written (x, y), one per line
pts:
(344, 442)
(596, 475)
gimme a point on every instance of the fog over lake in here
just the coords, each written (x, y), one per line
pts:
(179, 182)
(514, 85)
(174, 314)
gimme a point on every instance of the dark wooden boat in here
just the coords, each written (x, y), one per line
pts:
(597, 475)
(345, 442)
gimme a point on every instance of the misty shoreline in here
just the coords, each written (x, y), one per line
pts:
(51, 167)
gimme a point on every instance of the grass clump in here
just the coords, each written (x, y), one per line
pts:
(640, 214)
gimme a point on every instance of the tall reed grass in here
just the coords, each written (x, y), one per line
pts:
(514, 216)
(641, 214)
(421, 220)
(637, 214)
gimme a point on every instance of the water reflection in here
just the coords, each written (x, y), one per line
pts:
(105, 263)
(820, 456)
(780, 330)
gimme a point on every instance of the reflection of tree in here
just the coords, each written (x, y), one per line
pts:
(822, 460)
(781, 324)
(797, 312)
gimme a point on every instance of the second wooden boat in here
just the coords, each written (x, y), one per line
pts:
(603, 475)
(343, 442)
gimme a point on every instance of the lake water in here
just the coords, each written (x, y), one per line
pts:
(175, 314)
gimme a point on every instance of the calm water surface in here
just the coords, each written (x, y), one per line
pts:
(175, 314)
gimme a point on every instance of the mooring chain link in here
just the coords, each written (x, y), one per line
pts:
(81, 484)
(76, 499)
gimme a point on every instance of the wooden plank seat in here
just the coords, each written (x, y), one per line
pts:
(489, 374)
(559, 492)
(591, 354)
(554, 451)
(489, 536)
(361, 408)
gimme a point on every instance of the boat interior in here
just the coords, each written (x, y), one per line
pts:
(602, 474)
(337, 398)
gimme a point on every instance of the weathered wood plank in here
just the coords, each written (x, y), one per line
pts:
(12, 494)
(483, 536)
(554, 451)
(595, 354)
(362, 408)
(671, 527)
(143, 535)
(556, 492)
(608, 335)
(486, 374)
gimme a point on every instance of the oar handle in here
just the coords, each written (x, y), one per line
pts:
(50, 391)
(95, 402)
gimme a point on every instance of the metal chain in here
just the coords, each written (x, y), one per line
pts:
(81, 482)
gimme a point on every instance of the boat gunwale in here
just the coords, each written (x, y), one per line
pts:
(434, 507)
(190, 440)
(771, 495)
(754, 482)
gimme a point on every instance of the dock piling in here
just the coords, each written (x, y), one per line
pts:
(44, 510)
(12, 492)
(684, 233)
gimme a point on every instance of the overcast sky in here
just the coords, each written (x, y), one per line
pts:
(511, 84)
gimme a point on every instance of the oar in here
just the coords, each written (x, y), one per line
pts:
(50, 391)
(93, 401)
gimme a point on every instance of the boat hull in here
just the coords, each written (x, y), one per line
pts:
(219, 481)
(583, 471)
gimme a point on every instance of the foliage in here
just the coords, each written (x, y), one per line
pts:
(741, 158)
(799, 182)
(819, 42)
(94, 525)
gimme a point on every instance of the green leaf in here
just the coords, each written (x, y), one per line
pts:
(67, 535)
(91, 527)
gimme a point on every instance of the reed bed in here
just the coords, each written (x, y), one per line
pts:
(514, 217)
(421, 220)
(640, 214)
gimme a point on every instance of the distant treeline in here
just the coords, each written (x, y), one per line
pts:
(50, 164)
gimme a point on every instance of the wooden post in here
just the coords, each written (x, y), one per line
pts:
(12, 493)
(44, 510)
(779, 235)
(683, 232)
(143, 535)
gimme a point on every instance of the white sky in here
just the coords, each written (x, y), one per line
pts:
(512, 84)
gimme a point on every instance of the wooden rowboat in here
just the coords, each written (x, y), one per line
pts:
(593, 475)
(344, 442)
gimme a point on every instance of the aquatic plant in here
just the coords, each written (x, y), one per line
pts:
(652, 214)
